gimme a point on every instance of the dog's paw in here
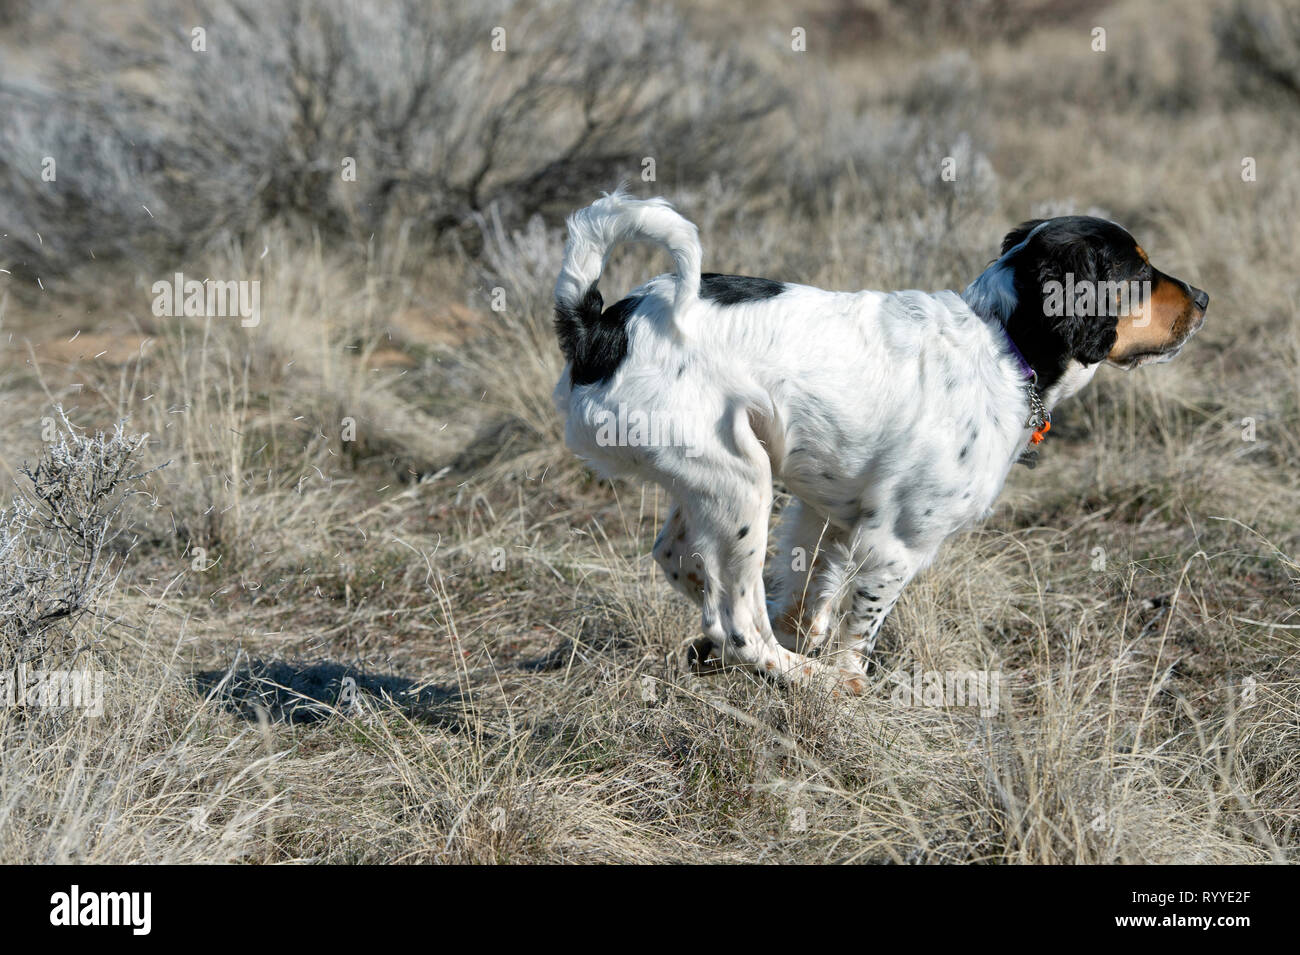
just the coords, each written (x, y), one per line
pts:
(849, 682)
(699, 657)
(838, 681)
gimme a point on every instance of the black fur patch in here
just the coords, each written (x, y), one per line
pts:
(1091, 250)
(735, 289)
(594, 341)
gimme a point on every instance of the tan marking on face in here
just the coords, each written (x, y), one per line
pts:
(1159, 324)
(1142, 253)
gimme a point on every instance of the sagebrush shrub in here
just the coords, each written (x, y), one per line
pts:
(57, 539)
(352, 115)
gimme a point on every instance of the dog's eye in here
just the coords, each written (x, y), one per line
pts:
(1143, 275)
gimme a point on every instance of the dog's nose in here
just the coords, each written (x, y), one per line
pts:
(1200, 298)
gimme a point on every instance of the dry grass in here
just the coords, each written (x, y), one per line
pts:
(439, 639)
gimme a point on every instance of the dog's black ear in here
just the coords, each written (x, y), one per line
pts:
(1019, 234)
(1065, 259)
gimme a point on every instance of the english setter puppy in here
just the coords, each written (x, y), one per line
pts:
(893, 418)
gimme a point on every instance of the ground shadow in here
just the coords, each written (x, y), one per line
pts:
(300, 692)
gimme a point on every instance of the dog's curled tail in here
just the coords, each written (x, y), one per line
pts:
(593, 232)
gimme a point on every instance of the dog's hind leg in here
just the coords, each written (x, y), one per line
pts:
(683, 565)
(677, 554)
(726, 518)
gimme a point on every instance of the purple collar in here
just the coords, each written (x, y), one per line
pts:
(1040, 419)
(1026, 369)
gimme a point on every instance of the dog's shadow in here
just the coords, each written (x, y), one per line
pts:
(299, 692)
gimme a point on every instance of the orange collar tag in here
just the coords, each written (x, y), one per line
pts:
(1038, 436)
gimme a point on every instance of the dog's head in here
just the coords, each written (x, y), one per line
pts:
(1075, 291)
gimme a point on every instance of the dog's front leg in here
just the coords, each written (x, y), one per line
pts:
(885, 567)
(807, 570)
(728, 557)
(716, 543)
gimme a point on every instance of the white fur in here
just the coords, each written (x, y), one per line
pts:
(893, 418)
(616, 218)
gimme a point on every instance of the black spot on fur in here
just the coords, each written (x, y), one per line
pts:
(594, 341)
(737, 640)
(907, 522)
(736, 289)
(743, 531)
